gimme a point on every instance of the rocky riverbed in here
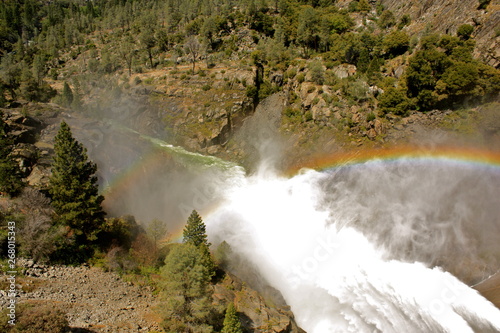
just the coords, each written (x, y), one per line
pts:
(94, 300)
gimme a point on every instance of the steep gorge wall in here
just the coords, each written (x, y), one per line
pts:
(445, 16)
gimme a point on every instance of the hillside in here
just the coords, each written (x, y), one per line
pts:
(193, 74)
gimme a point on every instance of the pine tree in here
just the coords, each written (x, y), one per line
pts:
(10, 175)
(195, 234)
(186, 294)
(67, 96)
(195, 230)
(232, 323)
(74, 191)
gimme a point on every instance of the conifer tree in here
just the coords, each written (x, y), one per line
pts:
(195, 234)
(67, 96)
(186, 293)
(195, 230)
(232, 323)
(10, 175)
(74, 191)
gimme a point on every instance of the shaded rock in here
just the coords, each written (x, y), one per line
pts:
(277, 79)
(343, 71)
(26, 156)
(39, 177)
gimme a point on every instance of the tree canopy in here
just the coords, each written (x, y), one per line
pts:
(186, 296)
(10, 174)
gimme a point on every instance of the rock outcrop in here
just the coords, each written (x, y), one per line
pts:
(32, 154)
(256, 314)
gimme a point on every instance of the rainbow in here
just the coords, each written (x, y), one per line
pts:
(465, 155)
(470, 156)
(133, 174)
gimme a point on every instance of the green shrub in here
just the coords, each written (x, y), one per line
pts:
(317, 72)
(465, 31)
(353, 6)
(397, 42)
(36, 318)
(206, 87)
(387, 19)
(119, 232)
(483, 4)
(308, 116)
(290, 73)
(252, 92)
(301, 78)
(405, 20)
(291, 112)
(395, 101)
(370, 116)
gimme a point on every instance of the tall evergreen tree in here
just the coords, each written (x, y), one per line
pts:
(74, 191)
(232, 323)
(195, 231)
(10, 175)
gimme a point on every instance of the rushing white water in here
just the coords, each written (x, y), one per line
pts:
(324, 241)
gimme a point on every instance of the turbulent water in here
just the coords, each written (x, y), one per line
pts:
(352, 250)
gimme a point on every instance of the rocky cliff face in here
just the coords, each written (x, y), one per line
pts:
(445, 16)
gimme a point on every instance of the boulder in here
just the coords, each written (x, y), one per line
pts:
(39, 177)
(26, 156)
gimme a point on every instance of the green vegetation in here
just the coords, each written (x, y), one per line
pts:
(62, 40)
(447, 77)
(483, 4)
(396, 42)
(465, 31)
(395, 101)
(34, 318)
(186, 295)
(75, 197)
(10, 175)
(232, 323)
(195, 233)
